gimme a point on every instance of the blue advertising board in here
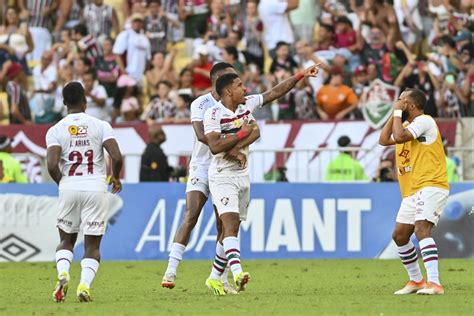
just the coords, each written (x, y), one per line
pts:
(285, 220)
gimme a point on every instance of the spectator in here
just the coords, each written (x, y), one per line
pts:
(192, 13)
(126, 105)
(302, 100)
(230, 55)
(306, 57)
(417, 74)
(450, 61)
(451, 164)
(45, 78)
(451, 100)
(283, 59)
(183, 114)
(360, 80)
(19, 109)
(162, 108)
(326, 37)
(86, 43)
(156, 26)
(372, 52)
(40, 21)
(65, 75)
(131, 6)
(137, 47)
(254, 82)
(381, 15)
(96, 97)
(185, 83)
(344, 167)
(218, 21)
(201, 67)
(65, 47)
(385, 171)
(336, 100)
(81, 66)
(409, 20)
(154, 164)
(286, 109)
(346, 37)
(69, 15)
(253, 28)
(11, 167)
(101, 19)
(303, 19)
(107, 68)
(16, 37)
(276, 23)
(161, 69)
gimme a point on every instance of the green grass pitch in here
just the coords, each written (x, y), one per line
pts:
(277, 287)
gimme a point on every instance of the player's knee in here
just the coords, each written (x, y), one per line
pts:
(399, 238)
(422, 230)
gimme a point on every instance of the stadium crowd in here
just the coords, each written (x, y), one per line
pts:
(145, 61)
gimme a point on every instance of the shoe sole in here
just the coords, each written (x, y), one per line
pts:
(243, 282)
(168, 285)
(84, 298)
(59, 295)
(437, 293)
(213, 291)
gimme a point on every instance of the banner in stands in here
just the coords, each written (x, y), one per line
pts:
(303, 166)
(285, 221)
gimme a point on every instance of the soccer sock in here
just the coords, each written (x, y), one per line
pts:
(63, 260)
(429, 253)
(176, 255)
(89, 269)
(220, 263)
(409, 259)
(232, 252)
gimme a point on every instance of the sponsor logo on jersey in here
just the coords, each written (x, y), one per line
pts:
(78, 131)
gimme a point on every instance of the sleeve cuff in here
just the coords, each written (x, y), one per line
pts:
(196, 119)
(212, 131)
(107, 138)
(53, 144)
(412, 132)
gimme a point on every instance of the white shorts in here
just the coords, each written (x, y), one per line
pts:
(86, 207)
(231, 194)
(198, 180)
(426, 204)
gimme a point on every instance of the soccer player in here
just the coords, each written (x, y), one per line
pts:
(197, 188)
(421, 165)
(76, 162)
(227, 127)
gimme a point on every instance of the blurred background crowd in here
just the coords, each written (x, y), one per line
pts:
(145, 61)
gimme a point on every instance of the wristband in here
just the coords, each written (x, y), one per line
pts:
(397, 113)
(299, 76)
(240, 134)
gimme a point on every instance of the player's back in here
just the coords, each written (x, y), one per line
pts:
(81, 139)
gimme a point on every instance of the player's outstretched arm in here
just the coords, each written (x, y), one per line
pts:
(53, 156)
(117, 161)
(283, 87)
(217, 144)
(385, 138)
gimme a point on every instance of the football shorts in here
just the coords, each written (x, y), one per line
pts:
(231, 194)
(198, 180)
(88, 208)
(426, 204)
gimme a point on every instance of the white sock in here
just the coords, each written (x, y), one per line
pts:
(409, 259)
(429, 253)
(63, 260)
(89, 270)
(232, 251)
(220, 263)
(176, 255)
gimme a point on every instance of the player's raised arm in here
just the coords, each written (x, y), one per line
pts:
(385, 138)
(117, 161)
(283, 87)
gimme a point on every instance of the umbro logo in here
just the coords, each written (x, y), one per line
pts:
(194, 181)
(225, 200)
(13, 248)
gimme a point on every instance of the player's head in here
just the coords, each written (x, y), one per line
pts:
(220, 69)
(415, 98)
(231, 89)
(74, 97)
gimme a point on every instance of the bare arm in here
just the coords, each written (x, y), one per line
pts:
(198, 127)
(117, 161)
(292, 4)
(385, 138)
(400, 134)
(64, 9)
(119, 61)
(286, 85)
(53, 155)
(218, 145)
(115, 22)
